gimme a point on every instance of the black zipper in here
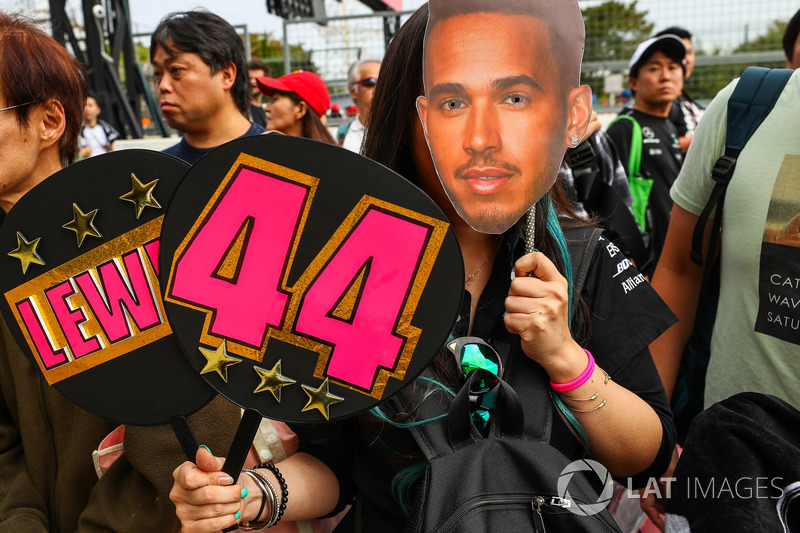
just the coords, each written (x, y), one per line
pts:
(480, 503)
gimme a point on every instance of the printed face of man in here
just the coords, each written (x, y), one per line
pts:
(495, 115)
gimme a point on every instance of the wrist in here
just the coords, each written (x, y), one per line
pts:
(252, 502)
(569, 366)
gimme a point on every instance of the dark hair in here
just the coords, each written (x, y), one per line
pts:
(311, 123)
(210, 37)
(35, 68)
(257, 64)
(563, 20)
(790, 35)
(394, 102)
(683, 33)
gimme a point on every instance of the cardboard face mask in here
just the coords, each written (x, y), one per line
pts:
(502, 102)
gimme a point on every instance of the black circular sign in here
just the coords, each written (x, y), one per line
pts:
(80, 288)
(305, 281)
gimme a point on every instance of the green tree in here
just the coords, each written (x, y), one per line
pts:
(270, 50)
(613, 29)
(708, 80)
(771, 40)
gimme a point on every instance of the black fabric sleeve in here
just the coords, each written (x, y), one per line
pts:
(333, 444)
(620, 133)
(627, 315)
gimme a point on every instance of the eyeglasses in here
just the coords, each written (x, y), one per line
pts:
(367, 82)
(18, 105)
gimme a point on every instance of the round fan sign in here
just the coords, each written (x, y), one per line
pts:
(304, 281)
(80, 290)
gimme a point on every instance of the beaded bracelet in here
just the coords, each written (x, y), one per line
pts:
(284, 489)
(580, 380)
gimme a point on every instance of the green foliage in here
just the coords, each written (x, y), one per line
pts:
(613, 29)
(270, 51)
(771, 40)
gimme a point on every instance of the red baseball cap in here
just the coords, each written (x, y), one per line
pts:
(304, 84)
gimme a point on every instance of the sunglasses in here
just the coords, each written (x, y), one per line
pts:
(367, 82)
(472, 353)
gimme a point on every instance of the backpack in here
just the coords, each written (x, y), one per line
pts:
(750, 103)
(641, 186)
(506, 480)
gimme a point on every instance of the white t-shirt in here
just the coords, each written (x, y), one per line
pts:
(355, 136)
(95, 137)
(755, 344)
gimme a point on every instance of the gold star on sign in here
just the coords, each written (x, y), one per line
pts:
(26, 252)
(141, 195)
(272, 380)
(82, 224)
(321, 399)
(218, 360)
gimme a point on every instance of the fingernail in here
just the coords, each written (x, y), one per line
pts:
(206, 447)
(244, 492)
(238, 515)
(225, 480)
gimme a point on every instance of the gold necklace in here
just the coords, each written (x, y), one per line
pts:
(472, 276)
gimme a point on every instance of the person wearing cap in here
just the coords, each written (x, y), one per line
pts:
(297, 103)
(362, 77)
(685, 112)
(656, 80)
(202, 80)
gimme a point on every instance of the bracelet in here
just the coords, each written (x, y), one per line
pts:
(595, 408)
(580, 380)
(284, 490)
(256, 526)
(273, 499)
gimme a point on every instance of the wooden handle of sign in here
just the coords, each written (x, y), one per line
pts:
(186, 436)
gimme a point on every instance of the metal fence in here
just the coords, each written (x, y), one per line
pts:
(728, 36)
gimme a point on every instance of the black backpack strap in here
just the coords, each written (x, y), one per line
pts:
(752, 100)
(599, 198)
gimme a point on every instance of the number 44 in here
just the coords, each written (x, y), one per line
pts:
(353, 304)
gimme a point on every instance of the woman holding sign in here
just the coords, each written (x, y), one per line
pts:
(501, 106)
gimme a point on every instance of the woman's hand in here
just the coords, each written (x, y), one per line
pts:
(205, 498)
(537, 309)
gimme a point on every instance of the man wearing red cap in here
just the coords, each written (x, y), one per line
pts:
(203, 86)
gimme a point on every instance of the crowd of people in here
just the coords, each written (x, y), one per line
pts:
(475, 102)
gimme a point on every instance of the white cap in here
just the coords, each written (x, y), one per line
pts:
(671, 45)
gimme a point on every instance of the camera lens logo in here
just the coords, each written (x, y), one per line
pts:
(586, 465)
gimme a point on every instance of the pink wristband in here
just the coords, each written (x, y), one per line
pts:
(580, 380)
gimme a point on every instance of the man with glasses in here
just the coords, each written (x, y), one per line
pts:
(361, 80)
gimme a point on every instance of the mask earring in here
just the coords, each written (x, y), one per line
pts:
(573, 140)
